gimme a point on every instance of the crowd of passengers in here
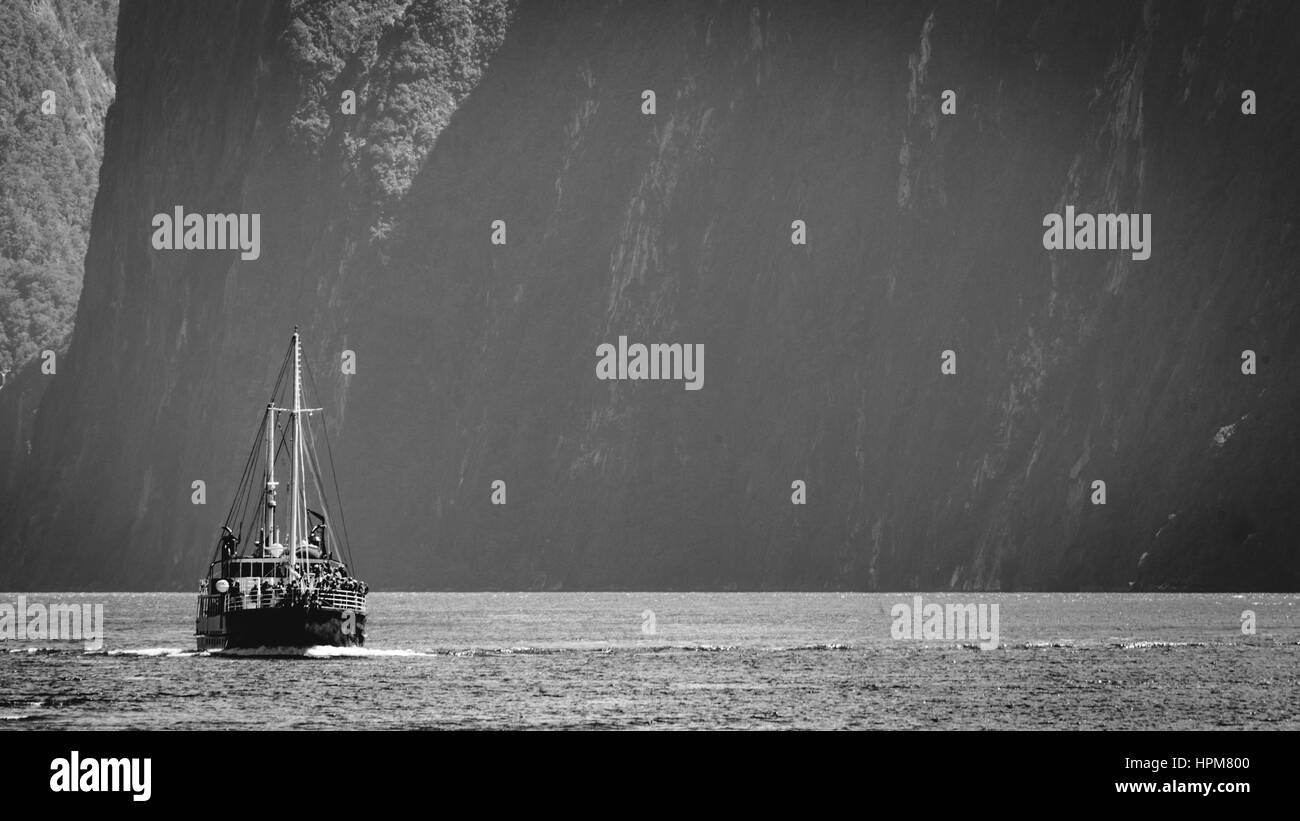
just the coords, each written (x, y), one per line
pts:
(329, 580)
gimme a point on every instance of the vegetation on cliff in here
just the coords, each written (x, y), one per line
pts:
(55, 85)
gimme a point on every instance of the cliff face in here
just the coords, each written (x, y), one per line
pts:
(53, 94)
(55, 85)
(476, 362)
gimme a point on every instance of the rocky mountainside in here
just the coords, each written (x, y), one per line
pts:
(56, 81)
(476, 362)
(55, 85)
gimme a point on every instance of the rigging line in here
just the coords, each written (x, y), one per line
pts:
(245, 478)
(248, 491)
(275, 457)
(250, 469)
(345, 550)
(329, 451)
(314, 463)
(244, 473)
(244, 494)
(244, 489)
(279, 448)
(268, 418)
(345, 542)
(251, 463)
(241, 491)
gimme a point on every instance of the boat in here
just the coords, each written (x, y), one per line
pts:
(281, 582)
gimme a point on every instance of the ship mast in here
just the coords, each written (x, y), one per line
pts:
(296, 525)
(299, 559)
(268, 532)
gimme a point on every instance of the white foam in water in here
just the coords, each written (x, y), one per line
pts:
(319, 651)
(1144, 644)
(330, 652)
(42, 650)
(151, 651)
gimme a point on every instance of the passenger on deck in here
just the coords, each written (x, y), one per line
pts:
(229, 543)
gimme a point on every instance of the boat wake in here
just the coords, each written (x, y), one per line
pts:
(317, 652)
(151, 652)
(331, 652)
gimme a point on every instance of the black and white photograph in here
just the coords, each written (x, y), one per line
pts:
(381, 368)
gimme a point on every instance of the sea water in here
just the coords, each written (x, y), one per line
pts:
(680, 660)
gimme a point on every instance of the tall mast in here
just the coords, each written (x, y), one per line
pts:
(268, 531)
(296, 514)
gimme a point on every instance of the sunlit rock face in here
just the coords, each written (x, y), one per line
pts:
(476, 362)
(56, 83)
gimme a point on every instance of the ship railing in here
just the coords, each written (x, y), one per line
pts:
(332, 599)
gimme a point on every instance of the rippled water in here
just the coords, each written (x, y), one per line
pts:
(729, 660)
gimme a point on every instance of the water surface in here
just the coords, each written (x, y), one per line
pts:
(724, 660)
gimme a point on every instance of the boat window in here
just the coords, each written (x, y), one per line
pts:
(247, 568)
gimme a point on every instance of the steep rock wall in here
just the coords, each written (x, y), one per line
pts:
(477, 362)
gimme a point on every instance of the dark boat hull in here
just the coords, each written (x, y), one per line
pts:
(275, 627)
